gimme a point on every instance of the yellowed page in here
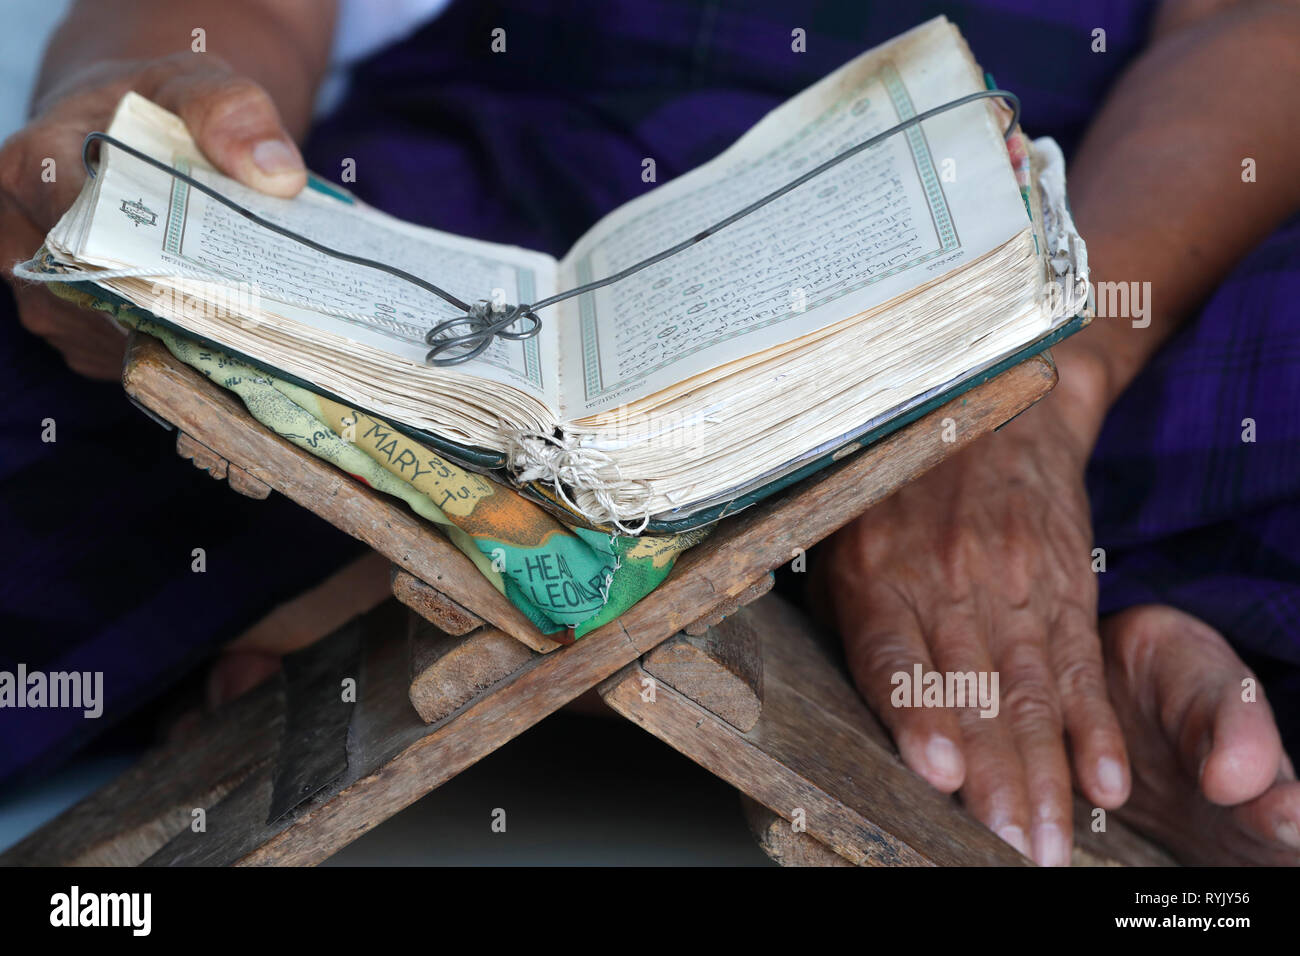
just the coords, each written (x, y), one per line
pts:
(139, 216)
(919, 206)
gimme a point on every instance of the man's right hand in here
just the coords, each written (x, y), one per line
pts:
(232, 119)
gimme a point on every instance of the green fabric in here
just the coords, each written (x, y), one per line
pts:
(561, 576)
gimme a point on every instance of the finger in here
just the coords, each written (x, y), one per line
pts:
(41, 173)
(237, 126)
(1245, 756)
(884, 647)
(1273, 818)
(19, 238)
(1212, 708)
(994, 791)
(90, 343)
(1032, 711)
(1096, 741)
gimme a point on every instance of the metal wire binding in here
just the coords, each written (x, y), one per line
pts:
(483, 322)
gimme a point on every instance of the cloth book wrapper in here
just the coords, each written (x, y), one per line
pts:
(567, 579)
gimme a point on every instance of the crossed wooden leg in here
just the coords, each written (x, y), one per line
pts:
(757, 699)
(762, 701)
(768, 711)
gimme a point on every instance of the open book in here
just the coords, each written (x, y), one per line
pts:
(893, 278)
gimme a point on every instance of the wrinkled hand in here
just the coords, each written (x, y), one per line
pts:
(232, 119)
(985, 564)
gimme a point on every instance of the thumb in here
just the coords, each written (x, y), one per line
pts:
(237, 126)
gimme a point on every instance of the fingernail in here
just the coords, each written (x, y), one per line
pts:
(1016, 837)
(1288, 833)
(275, 157)
(942, 756)
(1110, 775)
(1050, 847)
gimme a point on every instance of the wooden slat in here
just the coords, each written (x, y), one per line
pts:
(432, 605)
(1118, 846)
(217, 419)
(731, 604)
(135, 815)
(721, 669)
(449, 670)
(816, 731)
(816, 756)
(398, 758)
(779, 840)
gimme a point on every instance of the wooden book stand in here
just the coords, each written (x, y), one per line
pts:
(709, 662)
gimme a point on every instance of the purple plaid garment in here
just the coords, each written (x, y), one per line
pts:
(531, 147)
(1189, 513)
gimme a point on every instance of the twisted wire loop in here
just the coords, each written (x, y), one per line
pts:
(479, 327)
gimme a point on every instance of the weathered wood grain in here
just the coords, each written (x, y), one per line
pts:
(729, 605)
(787, 846)
(721, 669)
(395, 758)
(131, 818)
(432, 605)
(1119, 846)
(449, 670)
(203, 457)
(216, 419)
(816, 731)
(813, 759)
(244, 483)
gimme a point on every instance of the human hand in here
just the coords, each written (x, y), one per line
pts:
(984, 565)
(233, 121)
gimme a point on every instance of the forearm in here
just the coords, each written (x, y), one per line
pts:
(1157, 186)
(282, 44)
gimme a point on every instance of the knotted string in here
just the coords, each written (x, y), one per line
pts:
(600, 492)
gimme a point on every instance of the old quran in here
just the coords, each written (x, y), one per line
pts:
(843, 309)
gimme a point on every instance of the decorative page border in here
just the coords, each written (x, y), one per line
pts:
(593, 379)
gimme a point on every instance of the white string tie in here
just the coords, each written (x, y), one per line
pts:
(586, 479)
